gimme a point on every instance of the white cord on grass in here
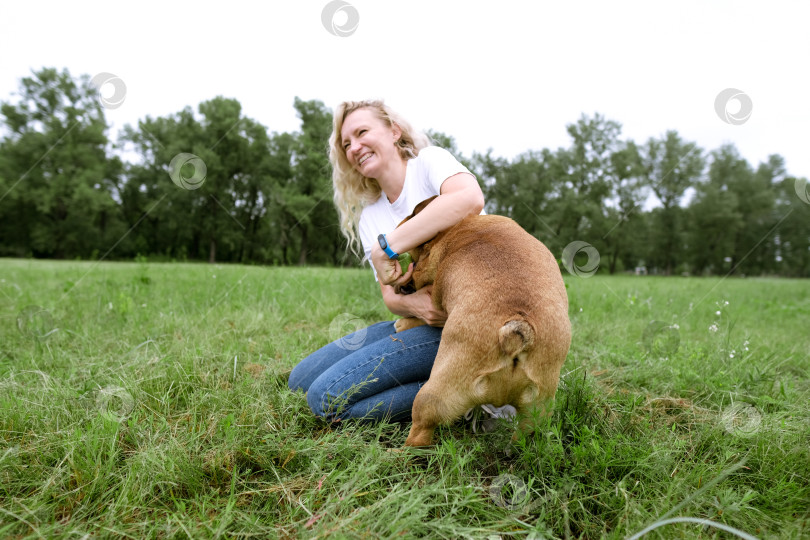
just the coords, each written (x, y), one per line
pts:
(707, 522)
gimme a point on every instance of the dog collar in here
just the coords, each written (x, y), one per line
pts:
(384, 245)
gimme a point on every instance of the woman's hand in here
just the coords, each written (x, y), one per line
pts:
(389, 271)
(418, 304)
(424, 309)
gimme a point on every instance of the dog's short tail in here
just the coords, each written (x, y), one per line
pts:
(515, 336)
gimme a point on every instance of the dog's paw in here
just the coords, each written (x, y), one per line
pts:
(407, 323)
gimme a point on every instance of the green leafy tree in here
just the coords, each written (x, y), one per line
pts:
(585, 182)
(583, 179)
(58, 177)
(268, 197)
(732, 216)
(522, 190)
(669, 166)
(221, 218)
(755, 249)
(714, 216)
(792, 235)
(306, 199)
(445, 141)
(486, 169)
(623, 216)
(282, 148)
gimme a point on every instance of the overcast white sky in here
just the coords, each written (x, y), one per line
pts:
(507, 75)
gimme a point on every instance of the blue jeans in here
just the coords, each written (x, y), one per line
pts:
(372, 374)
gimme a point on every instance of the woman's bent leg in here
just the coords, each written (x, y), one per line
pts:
(394, 404)
(316, 363)
(378, 380)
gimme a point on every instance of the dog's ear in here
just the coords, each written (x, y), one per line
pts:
(422, 205)
(419, 207)
(419, 252)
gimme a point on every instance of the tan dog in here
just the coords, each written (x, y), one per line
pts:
(507, 332)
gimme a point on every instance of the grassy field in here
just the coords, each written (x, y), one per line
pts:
(144, 400)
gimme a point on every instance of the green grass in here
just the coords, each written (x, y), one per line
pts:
(150, 401)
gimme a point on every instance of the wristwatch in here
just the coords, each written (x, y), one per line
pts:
(384, 245)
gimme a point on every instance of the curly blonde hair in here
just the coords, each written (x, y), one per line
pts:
(353, 191)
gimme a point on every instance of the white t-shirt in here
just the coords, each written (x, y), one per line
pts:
(424, 177)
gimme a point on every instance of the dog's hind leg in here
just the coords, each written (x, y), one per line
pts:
(432, 407)
(426, 416)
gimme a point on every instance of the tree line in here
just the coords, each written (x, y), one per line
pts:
(212, 184)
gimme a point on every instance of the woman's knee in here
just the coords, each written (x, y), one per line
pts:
(317, 399)
(330, 397)
(311, 367)
(297, 378)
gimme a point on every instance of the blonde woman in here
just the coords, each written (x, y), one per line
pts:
(381, 169)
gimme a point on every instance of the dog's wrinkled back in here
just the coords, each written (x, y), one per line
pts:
(507, 332)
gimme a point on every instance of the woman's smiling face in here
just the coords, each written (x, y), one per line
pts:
(369, 142)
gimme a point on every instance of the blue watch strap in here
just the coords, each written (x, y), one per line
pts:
(384, 245)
